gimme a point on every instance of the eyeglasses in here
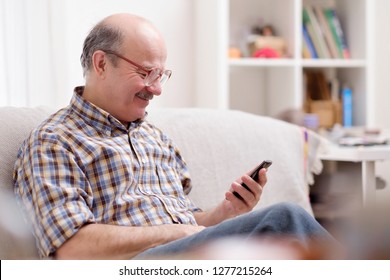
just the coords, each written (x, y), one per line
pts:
(152, 75)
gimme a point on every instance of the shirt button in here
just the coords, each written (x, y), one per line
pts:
(108, 133)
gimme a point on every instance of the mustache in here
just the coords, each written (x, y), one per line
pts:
(145, 95)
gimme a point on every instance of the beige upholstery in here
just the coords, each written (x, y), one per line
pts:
(16, 242)
(218, 145)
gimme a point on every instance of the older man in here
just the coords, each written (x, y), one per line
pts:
(99, 181)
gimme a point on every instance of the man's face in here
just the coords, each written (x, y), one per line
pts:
(127, 94)
(120, 88)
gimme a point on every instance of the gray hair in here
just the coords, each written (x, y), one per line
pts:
(101, 37)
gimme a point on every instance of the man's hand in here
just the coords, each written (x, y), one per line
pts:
(233, 206)
(248, 199)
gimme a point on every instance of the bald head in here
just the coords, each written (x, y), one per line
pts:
(125, 20)
(118, 31)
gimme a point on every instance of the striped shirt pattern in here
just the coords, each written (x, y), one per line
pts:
(83, 166)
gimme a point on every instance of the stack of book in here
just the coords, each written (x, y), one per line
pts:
(323, 36)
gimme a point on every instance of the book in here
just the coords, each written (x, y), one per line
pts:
(307, 44)
(337, 32)
(305, 50)
(346, 95)
(307, 25)
(314, 39)
(309, 17)
(327, 33)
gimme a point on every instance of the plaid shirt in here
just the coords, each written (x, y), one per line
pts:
(83, 166)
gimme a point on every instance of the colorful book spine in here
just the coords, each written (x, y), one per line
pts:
(305, 51)
(309, 16)
(327, 33)
(347, 106)
(308, 42)
(338, 34)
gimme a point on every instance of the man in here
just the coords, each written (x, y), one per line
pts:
(99, 181)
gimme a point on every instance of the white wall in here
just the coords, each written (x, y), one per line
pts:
(382, 83)
(74, 18)
(382, 63)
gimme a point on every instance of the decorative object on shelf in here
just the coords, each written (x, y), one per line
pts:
(311, 121)
(266, 53)
(263, 43)
(234, 52)
(319, 100)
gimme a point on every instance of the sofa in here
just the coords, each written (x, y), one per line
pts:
(218, 145)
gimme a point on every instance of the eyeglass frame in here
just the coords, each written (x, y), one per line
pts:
(148, 72)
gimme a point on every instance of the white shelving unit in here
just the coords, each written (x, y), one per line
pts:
(269, 86)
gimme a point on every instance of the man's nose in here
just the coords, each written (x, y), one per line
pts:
(155, 87)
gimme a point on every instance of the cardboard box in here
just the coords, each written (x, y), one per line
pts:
(328, 111)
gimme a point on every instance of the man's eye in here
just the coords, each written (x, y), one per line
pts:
(142, 74)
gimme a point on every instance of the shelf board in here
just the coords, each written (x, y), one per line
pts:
(337, 63)
(286, 62)
(261, 62)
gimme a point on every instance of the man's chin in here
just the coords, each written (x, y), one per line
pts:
(140, 113)
(133, 115)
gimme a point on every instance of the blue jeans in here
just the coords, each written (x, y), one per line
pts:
(279, 220)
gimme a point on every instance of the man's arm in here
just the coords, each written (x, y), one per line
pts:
(100, 241)
(233, 206)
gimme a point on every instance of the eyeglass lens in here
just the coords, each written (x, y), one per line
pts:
(156, 74)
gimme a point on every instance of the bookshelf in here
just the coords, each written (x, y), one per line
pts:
(269, 86)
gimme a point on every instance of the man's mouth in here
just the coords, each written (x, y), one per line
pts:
(145, 95)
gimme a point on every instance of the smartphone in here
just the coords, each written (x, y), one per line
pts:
(255, 175)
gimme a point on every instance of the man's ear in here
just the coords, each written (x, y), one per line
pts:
(99, 63)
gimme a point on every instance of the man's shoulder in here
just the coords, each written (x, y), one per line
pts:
(53, 126)
(48, 133)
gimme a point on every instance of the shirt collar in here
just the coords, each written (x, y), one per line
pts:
(95, 116)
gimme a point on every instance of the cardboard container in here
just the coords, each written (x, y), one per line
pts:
(328, 111)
